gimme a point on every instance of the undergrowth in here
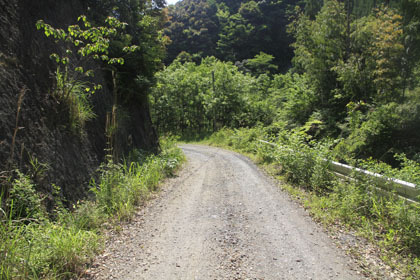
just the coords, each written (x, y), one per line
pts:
(387, 221)
(35, 244)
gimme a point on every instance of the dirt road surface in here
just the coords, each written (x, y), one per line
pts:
(221, 218)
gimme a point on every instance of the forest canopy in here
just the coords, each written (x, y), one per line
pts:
(230, 30)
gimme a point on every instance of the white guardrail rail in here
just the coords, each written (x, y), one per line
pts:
(406, 190)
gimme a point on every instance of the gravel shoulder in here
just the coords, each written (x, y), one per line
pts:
(221, 218)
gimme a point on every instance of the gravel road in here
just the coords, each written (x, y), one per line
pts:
(221, 218)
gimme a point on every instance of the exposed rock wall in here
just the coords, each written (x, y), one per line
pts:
(41, 129)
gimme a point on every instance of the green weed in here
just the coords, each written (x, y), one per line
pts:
(122, 187)
(59, 250)
(12, 240)
(23, 201)
(75, 93)
(32, 246)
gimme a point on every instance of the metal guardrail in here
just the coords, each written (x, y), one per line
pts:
(406, 190)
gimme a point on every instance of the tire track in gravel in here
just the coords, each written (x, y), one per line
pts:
(221, 218)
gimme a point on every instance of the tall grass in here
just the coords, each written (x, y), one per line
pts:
(123, 186)
(35, 246)
(75, 94)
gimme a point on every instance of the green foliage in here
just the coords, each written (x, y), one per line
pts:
(45, 250)
(319, 45)
(23, 201)
(193, 28)
(60, 251)
(312, 7)
(235, 31)
(240, 139)
(186, 98)
(145, 20)
(394, 223)
(89, 42)
(261, 64)
(376, 55)
(11, 241)
(35, 247)
(359, 77)
(409, 170)
(122, 187)
(380, 132)
(388, 50)
(349, 60)
(75, 94)
(304, 165)
(85, 215)
(298, 98)
(230, 30)
(172, 156)
(410, 10)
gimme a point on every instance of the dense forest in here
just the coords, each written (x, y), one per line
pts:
(230, 30)
(342, 70)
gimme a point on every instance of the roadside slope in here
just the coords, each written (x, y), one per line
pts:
(221, 218)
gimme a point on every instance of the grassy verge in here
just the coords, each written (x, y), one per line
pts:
(35, 244)
(390, 225)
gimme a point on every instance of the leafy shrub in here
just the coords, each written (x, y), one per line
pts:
(23, 201)
(395, 221)
(298, 98)
(171, 155)
(304, 165)
(265, 152)
(380, 132)
(244, 139)
(409, 170)
(222, 137)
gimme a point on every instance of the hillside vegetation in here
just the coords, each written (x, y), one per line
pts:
(351, 94)
(354, 78)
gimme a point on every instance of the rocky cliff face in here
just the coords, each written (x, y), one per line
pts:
(34, 126)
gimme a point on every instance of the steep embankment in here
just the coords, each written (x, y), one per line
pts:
(34, 125)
